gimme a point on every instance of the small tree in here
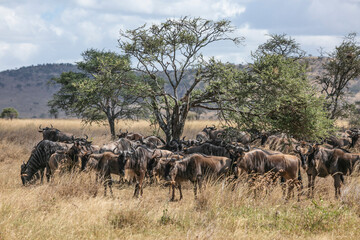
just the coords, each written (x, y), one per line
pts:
(343, 65)
(9, 113)
(165, 53)
(100, 92)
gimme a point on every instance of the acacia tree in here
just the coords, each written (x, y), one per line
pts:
(343, 65)
(274, 94)
(100, 91)
(164, 53)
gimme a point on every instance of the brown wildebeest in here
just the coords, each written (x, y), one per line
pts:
(131, 136)
(65, 160)
(335, 162)
(138, 165)
(161, 167)
(259, 161)
(110, 163)
(195, 167)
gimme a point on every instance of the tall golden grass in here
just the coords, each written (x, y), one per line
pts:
(72, 206)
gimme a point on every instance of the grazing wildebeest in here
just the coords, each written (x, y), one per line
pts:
(260, 161)
(55, 135)
(208, 149)
(161, 169)
(39, 158)
(195, 167)
(335, 162)
(110, 163)
(65, 160)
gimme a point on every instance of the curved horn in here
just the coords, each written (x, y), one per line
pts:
(247, 148)
(86, 137)
(40, 127)
(297, 149)
(51, 125)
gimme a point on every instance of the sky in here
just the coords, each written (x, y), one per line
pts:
(58, 31)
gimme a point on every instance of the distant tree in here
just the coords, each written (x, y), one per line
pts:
(100, 92)
(9, 113)
(280, 44)
(173, 48)
(343, 66)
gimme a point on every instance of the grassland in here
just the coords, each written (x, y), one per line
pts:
(73, 206)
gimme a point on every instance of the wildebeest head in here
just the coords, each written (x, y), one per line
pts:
(123, 134)
(304, 150)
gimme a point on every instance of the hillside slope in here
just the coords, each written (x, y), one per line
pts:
(26, 88)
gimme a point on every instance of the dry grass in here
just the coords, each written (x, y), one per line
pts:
(73, 207)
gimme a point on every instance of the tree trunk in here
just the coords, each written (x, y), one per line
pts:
(111, 121)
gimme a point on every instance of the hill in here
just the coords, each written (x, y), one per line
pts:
(26, 89)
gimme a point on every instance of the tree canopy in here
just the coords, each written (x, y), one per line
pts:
(100, 92)
(9, 113)
(343, 65)
(164, 53)
(274, 94)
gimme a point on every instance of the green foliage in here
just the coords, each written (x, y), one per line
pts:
(9, 113)
(172, 48)
(343, 66)
(101, 92)
(274, 94)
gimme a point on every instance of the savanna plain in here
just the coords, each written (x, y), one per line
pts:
(72, 206)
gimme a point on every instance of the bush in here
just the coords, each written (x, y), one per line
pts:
(9, 113)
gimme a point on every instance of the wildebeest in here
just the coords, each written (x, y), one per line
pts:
(335, 162)
(208, 149)
(153, 142)
(39, 158)
(131, 136)
(118, 146)
(138, 164)
(260, 161)
(55, 135)
(208, 133)
(65, 160)
(110, 163)
(195, 167)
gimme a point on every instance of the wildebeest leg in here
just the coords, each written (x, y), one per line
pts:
(141, 181)
(48, 173)
(311, 185)
(195, 188)
(337, 185)
(173, 192)
(179, 186)
(41, 176)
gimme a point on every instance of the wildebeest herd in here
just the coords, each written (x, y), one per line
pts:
(221, 154)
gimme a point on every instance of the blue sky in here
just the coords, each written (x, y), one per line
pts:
(53, 31)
